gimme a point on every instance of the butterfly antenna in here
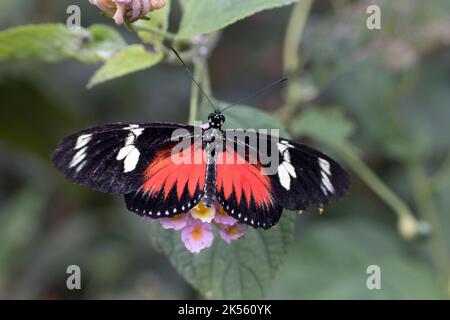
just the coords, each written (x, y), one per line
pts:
(193, 79)
(257, 93)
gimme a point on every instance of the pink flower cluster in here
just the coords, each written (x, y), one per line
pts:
(196, 227)
(128, 9)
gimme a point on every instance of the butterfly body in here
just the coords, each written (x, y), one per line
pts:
(165, 169)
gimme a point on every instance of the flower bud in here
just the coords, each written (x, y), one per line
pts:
(127, 10)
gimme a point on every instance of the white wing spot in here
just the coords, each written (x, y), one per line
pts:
(129, 152)
(282, 147)
(82, 141)
(285, 170)
(327, 183)
(286, 143)
(325, 166)
(284, 177)
(131, 160)
(78, 157)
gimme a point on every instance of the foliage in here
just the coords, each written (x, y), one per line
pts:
(375, 99)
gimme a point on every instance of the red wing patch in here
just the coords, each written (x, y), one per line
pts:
(167, 171)
(245, 179)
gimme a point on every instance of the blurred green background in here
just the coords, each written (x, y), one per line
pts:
(393, 85)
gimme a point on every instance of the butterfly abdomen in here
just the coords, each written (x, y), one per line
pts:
(213, 144)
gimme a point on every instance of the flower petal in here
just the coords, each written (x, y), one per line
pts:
(234, 232)
(203, 213)
(197, 236)
(177, 222)
(222, 217)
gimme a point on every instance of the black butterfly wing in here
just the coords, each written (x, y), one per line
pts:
(306, 177)
(272, 174)
(113, 158)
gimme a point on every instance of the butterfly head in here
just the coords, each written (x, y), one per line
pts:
(216, 120)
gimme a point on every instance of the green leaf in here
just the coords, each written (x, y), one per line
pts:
(132, 59)
(326, 125)
(25, 107)
(243, 269)
(330, 258)
(104, 42)
(19, 225)
(55, 42)
(204, 16)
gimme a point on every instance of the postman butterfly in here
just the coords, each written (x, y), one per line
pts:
(166, 169)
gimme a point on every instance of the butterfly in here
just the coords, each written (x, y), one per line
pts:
(166, 169)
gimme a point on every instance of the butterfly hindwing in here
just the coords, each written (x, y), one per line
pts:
(243, 189)
(172, 183)
(112, 158)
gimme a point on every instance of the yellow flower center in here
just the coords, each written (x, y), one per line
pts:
(232, 230)
(197, 233)
(203, 213)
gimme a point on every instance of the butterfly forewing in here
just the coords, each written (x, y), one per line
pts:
(259, 174)
(173, 182)
(113, 158)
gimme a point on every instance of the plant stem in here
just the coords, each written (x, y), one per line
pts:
(293, 38)
(194, 103)
(427, 209)
(165, 34)
(291, 56)
(372, 180)
(441, 179)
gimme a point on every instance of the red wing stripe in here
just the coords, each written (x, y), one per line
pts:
(243, 178)
(165, 172)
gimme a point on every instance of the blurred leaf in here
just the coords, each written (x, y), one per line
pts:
(326, 125)
(243, 269)
(19, 224)
(204, 16)
(103, 43)
(22, 116)
(55, 42)
(132, 59)
(330, 260)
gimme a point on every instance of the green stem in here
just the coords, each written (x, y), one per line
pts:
(427, 209)
(292, 58)
(372, 180)
(194, 103)
(165, 34)
(293, 38)
(441, 179)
